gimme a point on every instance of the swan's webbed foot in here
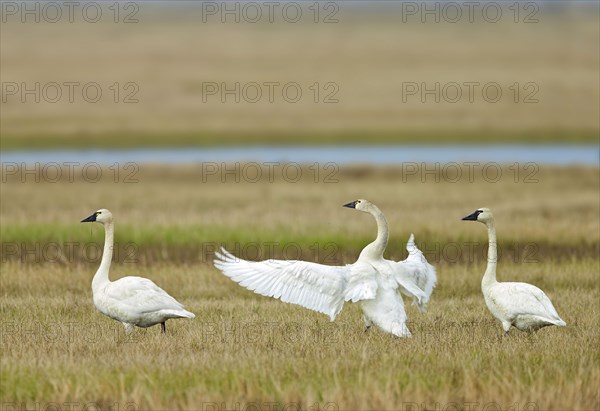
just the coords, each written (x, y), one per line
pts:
(367, 327)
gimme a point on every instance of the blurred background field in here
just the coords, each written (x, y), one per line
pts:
(163, 61)
(171, 214)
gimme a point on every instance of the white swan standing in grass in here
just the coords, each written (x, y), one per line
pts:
(521, 305)
(371, 280)
(130, 300)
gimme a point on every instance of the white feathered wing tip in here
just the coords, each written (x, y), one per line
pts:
(416, 269)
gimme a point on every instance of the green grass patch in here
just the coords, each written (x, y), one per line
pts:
(197, 243)
(132, 140)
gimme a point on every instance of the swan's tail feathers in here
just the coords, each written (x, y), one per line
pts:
(550, 320)
(399, 329)
(179, 313)
(189, 314)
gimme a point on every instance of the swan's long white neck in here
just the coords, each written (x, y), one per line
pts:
(101, 276)
(377, 247)
(489, 278)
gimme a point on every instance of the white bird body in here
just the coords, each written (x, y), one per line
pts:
(386, 311)
(134, 301)
(520, 305)
(372, 281)
(137, 301)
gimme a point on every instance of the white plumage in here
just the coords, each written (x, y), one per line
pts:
(134, 301)
(416, 270)
(372, 281)
(521, 305)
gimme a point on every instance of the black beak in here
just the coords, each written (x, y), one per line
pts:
(89, 219)
(351, 205)
(472, 217)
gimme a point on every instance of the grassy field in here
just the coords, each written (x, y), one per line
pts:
(247, 351)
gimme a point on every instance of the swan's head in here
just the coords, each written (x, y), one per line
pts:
(102, 216)
(483, 215)
(361, 205)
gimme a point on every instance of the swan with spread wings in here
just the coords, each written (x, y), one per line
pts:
(372, 281)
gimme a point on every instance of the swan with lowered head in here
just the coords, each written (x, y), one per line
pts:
(372, 281)
(521, 305)
(134, 301)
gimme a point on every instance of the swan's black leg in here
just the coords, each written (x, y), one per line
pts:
(163, 327)
(368, 323)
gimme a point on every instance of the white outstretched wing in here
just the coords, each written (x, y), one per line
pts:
(416, 272)
(318, 287)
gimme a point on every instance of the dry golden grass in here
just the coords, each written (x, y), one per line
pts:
(243, 348)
